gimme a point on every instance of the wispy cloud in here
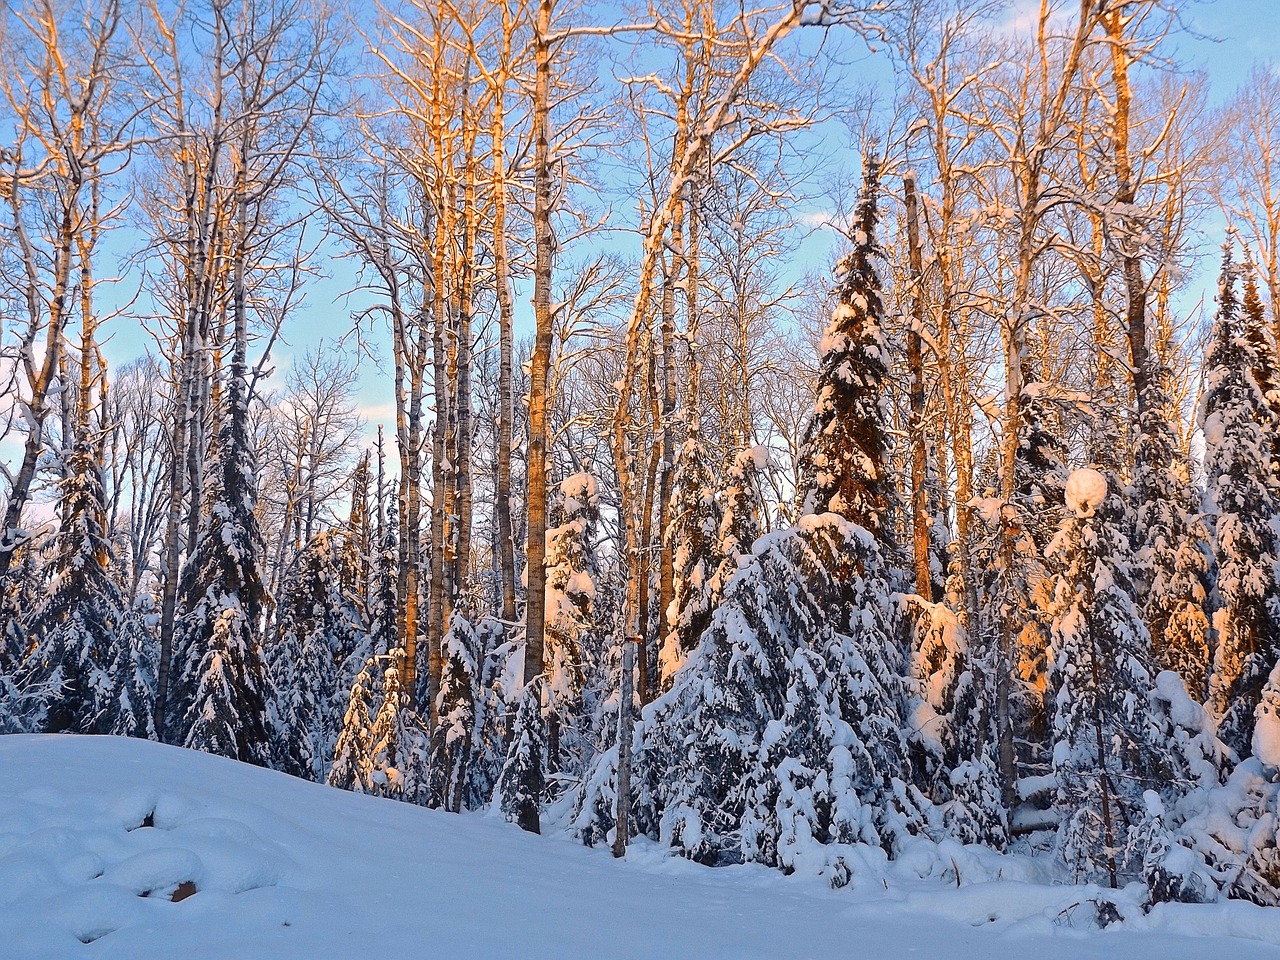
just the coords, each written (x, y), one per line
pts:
(817, 218)
(1019, 19)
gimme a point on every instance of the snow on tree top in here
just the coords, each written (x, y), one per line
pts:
(759, 455)
(578, 490)
(1086, 488)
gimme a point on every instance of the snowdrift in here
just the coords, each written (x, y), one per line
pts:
(116, 848)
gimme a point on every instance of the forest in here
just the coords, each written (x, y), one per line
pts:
(482, 431)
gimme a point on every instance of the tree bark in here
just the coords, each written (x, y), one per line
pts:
(920, 519)
(540, 365)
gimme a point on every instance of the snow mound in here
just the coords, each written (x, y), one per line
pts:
(1086, 488)
(147, 851)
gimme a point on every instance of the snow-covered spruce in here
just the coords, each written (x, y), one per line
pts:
(1171, 558)
(573, 642)
(383, 751)
(20, 593)
(1038, 504)
(85, 670)
(948, 740)
(783, 739)
(740, 524)
(1261, 337)
(466, 746)
(352, 766)
(1110, 743)
(844, 461)
(522, 781)
(693, 538)
(319, 647)
(1239, 430)
(383, 603)
(217, 701)
(1226, 840)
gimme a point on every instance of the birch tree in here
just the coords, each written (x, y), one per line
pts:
(61, 78)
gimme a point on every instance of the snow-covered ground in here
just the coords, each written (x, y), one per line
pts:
(287, 870)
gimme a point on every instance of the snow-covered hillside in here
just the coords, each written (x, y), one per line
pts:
(97, 833)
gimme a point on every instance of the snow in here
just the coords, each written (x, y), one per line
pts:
(286, 870)
(1266, 732)
(1086, 488)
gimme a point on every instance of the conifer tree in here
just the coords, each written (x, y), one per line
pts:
(789, 721)
(382, 748)
(320, 644)
(692, 539)
(1171, 565)
(740, 524)
(383, 602)
(132, 665)
(218, 702)
(562, 714)
(492, 721)
(353, 753)
(80, 632)
(522, 782)
(573, 643)
(1230, 828)
(1239, 431)
(457, 711)
(399, 747)
(845, 459)
(1266, 367)
(1108, 745)
(948, 725)
(360, 526)
(1038, 494)
(20, 592)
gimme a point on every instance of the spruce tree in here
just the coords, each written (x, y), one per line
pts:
(218, 702)
(319, 646)
(789, 720)
(1239, 430)
(1109, 746)
(81, 631)
(1039, 480)
(1266, 368)
(1171, 564)
(383, 602)
(692, 539)
(492, 720)
(1226, 835)
(845, 458)
(382, 747)
(399, 747)
(457, 710)
(949, 748)
(740, 524)
(361, 527)
(20, 591)
(352, 767)
(132, 665)
(573, 642)
(522, 781)
(558, 703)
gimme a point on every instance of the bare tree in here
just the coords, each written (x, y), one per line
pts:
(60, 77)
(1249, 189)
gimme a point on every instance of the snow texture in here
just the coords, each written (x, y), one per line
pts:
(1086, 489)
(286, 869)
